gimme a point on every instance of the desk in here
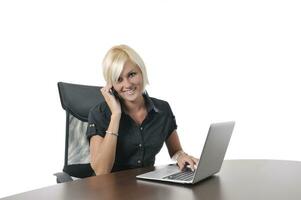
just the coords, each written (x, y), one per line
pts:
(238, 179)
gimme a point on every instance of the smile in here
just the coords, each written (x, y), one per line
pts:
(130, 92)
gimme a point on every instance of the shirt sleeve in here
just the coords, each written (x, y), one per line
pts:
(172, 121)
(97, 123)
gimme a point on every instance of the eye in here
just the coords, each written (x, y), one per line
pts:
(132, 74)
(119, 80)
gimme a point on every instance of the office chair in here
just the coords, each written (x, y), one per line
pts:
(77, 100)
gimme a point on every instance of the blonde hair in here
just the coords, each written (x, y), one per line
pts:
(116, 58)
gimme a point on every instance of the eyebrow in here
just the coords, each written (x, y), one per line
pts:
(131, 71)
(127, 74)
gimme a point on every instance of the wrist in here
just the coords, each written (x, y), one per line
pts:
(116, 116)
(177, 155)
(112, 133)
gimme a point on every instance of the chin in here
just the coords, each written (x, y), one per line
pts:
(130, 98)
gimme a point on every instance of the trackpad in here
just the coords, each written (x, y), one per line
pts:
(161, 172)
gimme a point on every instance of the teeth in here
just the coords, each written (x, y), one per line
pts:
(130, 92)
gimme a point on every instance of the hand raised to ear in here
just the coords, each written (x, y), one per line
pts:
(111, 100)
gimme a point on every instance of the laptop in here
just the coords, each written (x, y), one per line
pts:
(210, 162)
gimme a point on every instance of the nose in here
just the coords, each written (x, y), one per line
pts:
(127, 83)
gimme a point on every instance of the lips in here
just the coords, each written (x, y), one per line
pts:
(130, 92)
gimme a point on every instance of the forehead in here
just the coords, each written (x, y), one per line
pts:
(129, 66)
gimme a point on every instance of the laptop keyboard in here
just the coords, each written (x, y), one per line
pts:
(186, 175)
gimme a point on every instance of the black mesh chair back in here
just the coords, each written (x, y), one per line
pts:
(77, 100)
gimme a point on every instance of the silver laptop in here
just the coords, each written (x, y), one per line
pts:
(210, 162)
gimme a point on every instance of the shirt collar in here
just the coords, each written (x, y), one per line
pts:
(148, 103)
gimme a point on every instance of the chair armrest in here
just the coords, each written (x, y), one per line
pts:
(62, 177)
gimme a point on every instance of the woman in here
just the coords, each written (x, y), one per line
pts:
(129, 128)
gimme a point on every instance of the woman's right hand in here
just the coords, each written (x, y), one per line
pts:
(111, 100)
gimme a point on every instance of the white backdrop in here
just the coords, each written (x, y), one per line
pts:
(212, 61)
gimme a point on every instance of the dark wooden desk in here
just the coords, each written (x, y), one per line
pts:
(238, 179)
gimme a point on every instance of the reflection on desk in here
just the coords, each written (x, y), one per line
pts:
(238, 179)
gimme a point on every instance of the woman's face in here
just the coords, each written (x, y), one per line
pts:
(130, 83)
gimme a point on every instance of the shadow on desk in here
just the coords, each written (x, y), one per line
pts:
(209, 187)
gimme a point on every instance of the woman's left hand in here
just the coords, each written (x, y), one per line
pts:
(185, 159)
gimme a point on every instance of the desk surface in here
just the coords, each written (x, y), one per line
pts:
(238, 179)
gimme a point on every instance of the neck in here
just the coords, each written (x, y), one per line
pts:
(134, 106)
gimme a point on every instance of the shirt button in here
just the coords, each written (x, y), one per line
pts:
(139, 161)
(141, 128)
(140, 145)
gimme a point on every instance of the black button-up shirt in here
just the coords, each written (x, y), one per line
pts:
(137, 144)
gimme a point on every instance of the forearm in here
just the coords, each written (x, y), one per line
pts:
(105, 154)
(173, 144)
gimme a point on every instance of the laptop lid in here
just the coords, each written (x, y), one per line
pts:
(214, 150)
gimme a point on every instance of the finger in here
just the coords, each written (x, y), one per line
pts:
(188, 162)
(181, 165)
(195, 160)
(185, 164)
(106, 87)
(109, 87)
(191, 164)
(103, 91)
